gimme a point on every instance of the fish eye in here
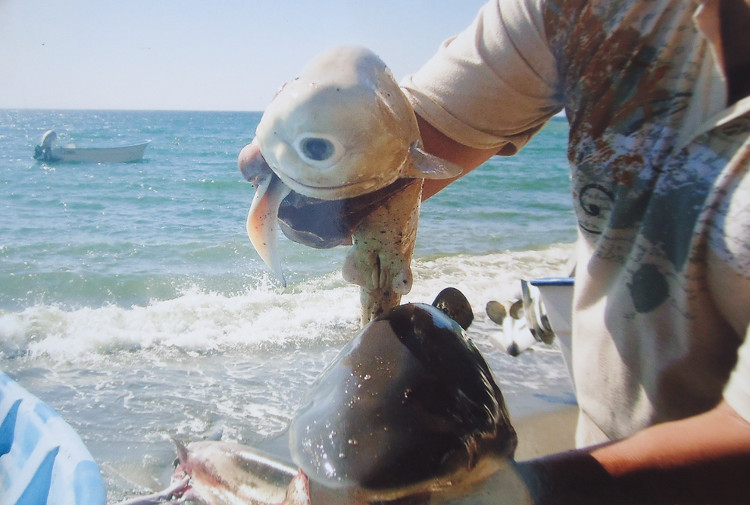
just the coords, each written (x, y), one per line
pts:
(316, 148)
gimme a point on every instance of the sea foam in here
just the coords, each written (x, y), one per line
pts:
(313, 312)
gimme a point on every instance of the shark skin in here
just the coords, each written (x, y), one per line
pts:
(408, 410)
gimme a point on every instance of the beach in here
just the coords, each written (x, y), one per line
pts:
(132, 302)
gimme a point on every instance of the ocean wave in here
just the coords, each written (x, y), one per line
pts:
(197, 320)
(318, 311)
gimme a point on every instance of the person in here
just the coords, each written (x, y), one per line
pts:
(656, 94)
(657, 97)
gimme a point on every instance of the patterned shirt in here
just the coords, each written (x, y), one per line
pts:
(659, 183)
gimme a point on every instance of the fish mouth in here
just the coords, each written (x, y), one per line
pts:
(317, 223)
(338, 192)
(448, 487)
(323, 224)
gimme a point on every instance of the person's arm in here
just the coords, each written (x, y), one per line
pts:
(444, 147)
(698, 460)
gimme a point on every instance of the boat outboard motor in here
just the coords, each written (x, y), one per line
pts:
(44, 151)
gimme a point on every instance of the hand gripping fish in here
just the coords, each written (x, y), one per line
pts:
(337, 156)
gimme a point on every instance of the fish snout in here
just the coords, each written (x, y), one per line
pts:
(252, 164)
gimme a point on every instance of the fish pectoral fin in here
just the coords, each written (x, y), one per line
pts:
(382, 278)
(361, 268)
(177, 491)
(182, 452)
(399, 273)
(298, 491)
(427, 166)
(378, 270)
(262, 221)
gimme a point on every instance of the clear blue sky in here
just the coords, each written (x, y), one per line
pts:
(199, 55)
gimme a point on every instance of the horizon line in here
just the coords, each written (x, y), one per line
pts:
(94, 109)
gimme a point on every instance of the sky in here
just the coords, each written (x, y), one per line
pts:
(199, 55)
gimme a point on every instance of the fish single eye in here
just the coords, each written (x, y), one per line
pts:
(316, 148)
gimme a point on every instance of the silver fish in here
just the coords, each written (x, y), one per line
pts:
(225, 473)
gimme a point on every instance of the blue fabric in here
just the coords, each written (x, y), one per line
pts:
(45, 412)
(29, 438)
(42, 460)
(37, 491)
(8, 428)
(88, 484)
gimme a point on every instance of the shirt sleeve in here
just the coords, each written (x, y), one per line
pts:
(495, 84)
(729, 271)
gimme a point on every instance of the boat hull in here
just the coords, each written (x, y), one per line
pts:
(557, 297)
(117, 154)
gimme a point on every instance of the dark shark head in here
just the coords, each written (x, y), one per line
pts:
(408, 406)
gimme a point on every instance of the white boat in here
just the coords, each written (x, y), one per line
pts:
(557, 298)
(47, 151)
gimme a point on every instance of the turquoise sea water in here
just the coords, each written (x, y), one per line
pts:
(132, 301)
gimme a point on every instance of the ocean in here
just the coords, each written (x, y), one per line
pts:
(132, 302)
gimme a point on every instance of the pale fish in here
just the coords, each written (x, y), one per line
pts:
(226, 473)
(340, 132)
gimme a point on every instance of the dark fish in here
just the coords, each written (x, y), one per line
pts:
(408, 407)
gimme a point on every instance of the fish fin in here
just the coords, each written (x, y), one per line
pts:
(262, 221)
(400, 279)
(177, 492)
(378, 270)
(298, 491)
(427, 166)
(453, 303)
(182, 451)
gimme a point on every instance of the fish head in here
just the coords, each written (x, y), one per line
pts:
(408, 407)
(334, 144)
(344, 128)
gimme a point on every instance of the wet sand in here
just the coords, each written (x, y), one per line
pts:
(546, 432)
